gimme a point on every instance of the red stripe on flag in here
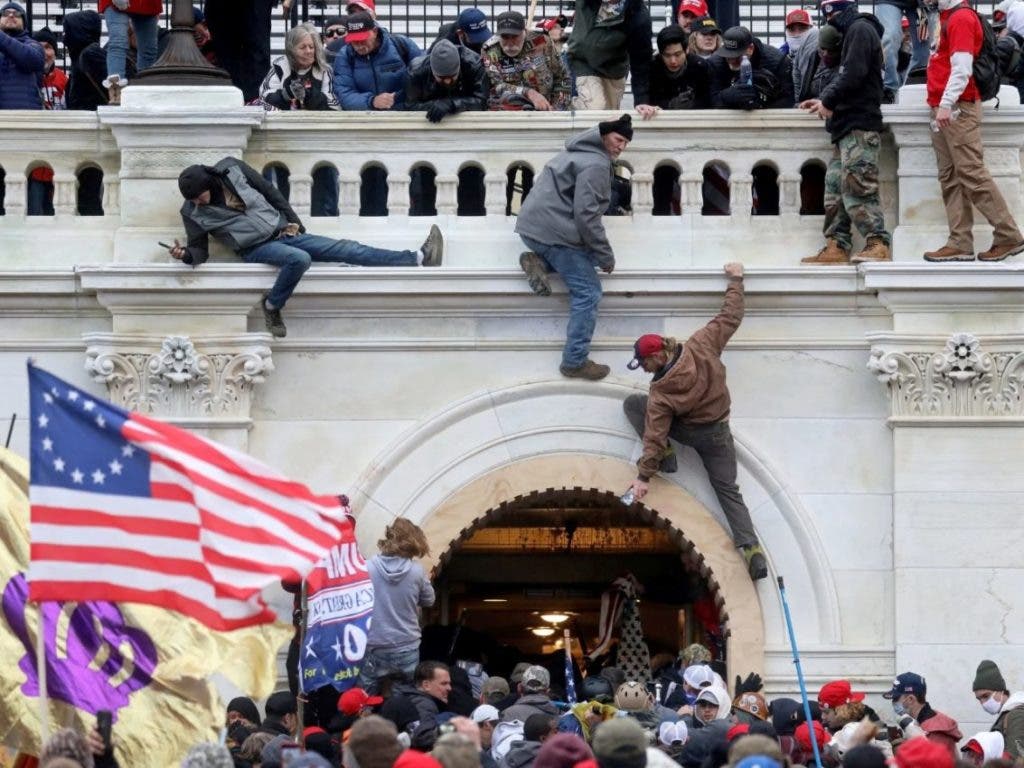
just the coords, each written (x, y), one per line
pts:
(93, 518)
(41, 591)
(215, 557)
(171, 492)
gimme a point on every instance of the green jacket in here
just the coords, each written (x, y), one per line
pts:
(1010, 723)
(611, 38)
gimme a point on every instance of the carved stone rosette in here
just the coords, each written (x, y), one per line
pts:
(960, 381)
(180, 382)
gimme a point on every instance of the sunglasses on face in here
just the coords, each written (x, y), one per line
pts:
(334, 32)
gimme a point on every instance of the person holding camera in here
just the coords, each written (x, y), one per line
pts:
(301, 78)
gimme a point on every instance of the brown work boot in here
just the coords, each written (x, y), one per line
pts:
(1000, 251)
(947, 253)
(536, 273)
(590, 371)
(832, 253)
(874, 250)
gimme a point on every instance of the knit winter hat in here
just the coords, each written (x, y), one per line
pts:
(243, 705)
(67, 743)
(444, 59)
(921, 753)
(192, 182)
(620, 743)
(15, 6)
(280, 703)
(208, 755)
(623, 126)
(802, 735)
(988, 677)
(45, 35)
(830, 39)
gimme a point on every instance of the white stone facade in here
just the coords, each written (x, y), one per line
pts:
(878, 411)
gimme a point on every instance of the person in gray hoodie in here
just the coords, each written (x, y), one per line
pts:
(536, 730)
(560, 222)
(400, 589)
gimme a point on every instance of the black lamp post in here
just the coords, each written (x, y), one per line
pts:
(182, 63)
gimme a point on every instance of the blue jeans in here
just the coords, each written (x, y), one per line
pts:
(891, 17)
(294, 255)
(117, 32)
(378, 662)
(576, 268)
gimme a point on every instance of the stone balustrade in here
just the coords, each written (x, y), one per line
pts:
(674, 164)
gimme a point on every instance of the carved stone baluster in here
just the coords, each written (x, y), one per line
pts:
(692, 194)
(740, 200)
(111, 194)
(398, 194)
(447, 194)
(494, 191)
(643, 193)
(301, 194)
(348, 194)
(789, 193)
(15, 196)
(65, 194)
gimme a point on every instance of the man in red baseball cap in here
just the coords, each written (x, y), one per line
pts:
(798, 27)
(357, 702)
(833, 695)
(689, 403)
(689, 11)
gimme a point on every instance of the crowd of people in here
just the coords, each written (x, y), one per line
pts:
(680, 714)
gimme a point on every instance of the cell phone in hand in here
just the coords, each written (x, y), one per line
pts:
(103, 723)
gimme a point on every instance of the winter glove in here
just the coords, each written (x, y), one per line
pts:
(767, 86)
(753, 684)
(740, 96)
(440, 109)
(683, 101)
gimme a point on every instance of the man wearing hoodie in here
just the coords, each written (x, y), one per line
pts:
(851, 106)
(21, 61)
(916, 714)
(536, 730)
(991, 692)
(400, 589)
(707, 726)
(560, 222)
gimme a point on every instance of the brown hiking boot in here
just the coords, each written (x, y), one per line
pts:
(536, 273)
(832, 253)
(590, 371)
(874, 250)
(947, 253)
(1001, 251)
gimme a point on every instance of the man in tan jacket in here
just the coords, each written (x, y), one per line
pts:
(689, 402)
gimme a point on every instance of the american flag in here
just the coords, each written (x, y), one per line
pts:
(570, 678)
(129, 509)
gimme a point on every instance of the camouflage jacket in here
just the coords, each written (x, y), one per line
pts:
(538, 67)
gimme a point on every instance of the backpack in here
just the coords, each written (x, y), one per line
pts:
(986, 71)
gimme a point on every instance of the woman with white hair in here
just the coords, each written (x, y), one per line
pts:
(301, 78)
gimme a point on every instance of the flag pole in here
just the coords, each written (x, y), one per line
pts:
(301, 699)
(44, 708)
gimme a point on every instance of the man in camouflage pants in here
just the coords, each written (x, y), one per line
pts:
(851, 108)
(525, 69)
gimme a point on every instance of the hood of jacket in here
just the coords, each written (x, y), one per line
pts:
(505, 735)
(392, 567)
(81, 29)
(942, 724)
(845, 19)
(1016, 700)
(588, 141)
(991, 743)
(766, 56)
(522, 753)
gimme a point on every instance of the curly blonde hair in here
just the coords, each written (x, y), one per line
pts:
(404, 538)
(850, 712)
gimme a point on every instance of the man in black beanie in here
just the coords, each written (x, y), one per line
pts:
(560, 222)
(235, 204)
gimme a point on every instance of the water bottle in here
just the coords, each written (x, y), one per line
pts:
(628, 497)
(952, 116)
(746, 71)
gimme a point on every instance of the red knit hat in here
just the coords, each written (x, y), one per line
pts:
(802, 734)
(921, 753)
(563, 750)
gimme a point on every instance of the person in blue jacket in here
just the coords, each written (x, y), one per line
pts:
(371, 70)
(21, 61)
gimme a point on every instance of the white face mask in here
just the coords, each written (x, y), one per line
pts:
(898, 708)
(797, 40)
(992, 705)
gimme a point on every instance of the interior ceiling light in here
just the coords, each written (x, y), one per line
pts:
(554, 618)
(543, 631)
(495, 600)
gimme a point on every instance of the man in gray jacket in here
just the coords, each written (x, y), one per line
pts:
(560, 222)
(235, 204)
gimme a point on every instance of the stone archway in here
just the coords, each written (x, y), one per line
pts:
(498, 444)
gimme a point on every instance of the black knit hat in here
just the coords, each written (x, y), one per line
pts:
(195, 180)
(623, 126)
(246, 707)
(45, 35)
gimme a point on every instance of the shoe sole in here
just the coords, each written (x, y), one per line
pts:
(569, 374)
(823, 261)
(435, 244)
(536, 276)
(1019, 248)
(855, 260)
(943, 260)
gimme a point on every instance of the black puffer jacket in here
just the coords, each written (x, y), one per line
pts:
(689, 89)
(855, 94)
(470, 91)
(772, 75)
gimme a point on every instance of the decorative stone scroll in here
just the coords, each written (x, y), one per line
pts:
(179, 381)
(960, 381)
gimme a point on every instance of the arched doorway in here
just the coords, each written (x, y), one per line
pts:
(536, 565)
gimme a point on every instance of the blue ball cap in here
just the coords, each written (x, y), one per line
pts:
(473, 22)
(908, 682)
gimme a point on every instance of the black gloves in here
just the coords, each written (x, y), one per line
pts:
(768, 87)
(740, 96)
(752, 684)
(685, 100)
(440, 109)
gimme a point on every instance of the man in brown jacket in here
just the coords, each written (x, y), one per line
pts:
(689, 402)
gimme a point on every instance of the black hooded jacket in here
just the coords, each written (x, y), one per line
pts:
(690, 89)
(855, 94)
(470, 92)
(772, 75)
(82, 29)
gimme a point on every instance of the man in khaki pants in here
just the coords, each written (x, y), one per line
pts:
(956, 137)
(610, 39)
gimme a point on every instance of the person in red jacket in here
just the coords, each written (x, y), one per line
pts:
(143, 16)
(956, 138)
(55, 80)
(917, 716)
